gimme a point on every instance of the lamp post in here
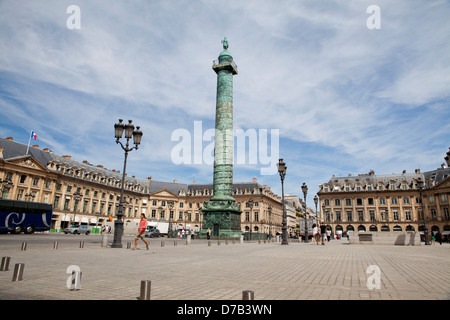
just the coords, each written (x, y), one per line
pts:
(282, 171)
(171, 205)
(316, 200)
(270, 223)
(425, 229)
(305, 191)
(250, 205)
(136, 135)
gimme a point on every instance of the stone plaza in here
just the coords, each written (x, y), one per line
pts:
(222, 271)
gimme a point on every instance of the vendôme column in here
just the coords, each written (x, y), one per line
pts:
(221, 215)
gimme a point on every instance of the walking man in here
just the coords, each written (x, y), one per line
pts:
(323, 233)
(141, 231)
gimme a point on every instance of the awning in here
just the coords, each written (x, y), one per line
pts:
(84, 220)
(93, 220)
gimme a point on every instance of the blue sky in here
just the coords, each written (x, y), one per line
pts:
(346, 99)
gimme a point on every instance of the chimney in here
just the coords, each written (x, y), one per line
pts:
(67, 156)
(417, 170)
(36, 146)
(194, 182)
(10, 138)
(175, 181)
(134, 177)
(149, 178)
(404, 171)
(447, 158)
(46, 149)
(255, 180)
(100, 166)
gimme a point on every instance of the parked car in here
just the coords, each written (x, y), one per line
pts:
(78, 230)
(152, 233)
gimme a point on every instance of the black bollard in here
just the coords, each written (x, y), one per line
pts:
(248, 295)
(145, 290)
(18, 272)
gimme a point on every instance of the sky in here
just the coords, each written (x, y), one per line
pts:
(345, 89)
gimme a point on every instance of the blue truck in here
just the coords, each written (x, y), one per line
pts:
(24, 216)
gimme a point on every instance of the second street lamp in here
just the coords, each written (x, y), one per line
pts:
(282, 171)
(119, 128)
(305, 192)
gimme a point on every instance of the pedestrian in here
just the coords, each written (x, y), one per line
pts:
(208, 234)
(192, 234)
(315, 234)
(141, 231)
(439, 237)
(432, 238)
(328, 235)
(323, 232)
(179, 234)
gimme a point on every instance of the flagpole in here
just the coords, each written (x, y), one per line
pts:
(29, 140)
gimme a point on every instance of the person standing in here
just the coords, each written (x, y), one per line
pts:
(328, 235)
(323, 233)
(208, 234)
(141, 231)
(315, 234)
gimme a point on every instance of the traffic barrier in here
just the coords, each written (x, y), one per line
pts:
(5, 264)
(24, 246)
(81, 244)
(209, 243)
(18, 272)
(162, 243)
(248, 295)
(55, 245)
(146, 286)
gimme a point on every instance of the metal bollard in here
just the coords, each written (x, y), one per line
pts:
(226, 242)
(128, 245)
(5, 263)
(209, 243)
(174, 243)
(146, 286)
(81, 244)
(248, 295)
(18, 272)
(104, 240)
(162, 243)
(24, 246)
(218, 242)
(55, 245)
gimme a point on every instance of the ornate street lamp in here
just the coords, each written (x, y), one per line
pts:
(270, 222)
(305, 192)
(77, 197)
(425, 229)
(171, 205)
(282, 171)
(250, 205)
(119, 128)
(316, 200)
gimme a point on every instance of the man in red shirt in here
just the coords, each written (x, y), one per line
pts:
(141, 231)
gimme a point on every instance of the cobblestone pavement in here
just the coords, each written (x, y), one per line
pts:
(336, 270)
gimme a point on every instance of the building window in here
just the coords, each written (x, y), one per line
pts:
(382, 201)
(360, 215)
(247, 216)
(337, 202)
(162, 214)
(326, 202)
(383, 215)
(349, 216)
(181, 204)
(369, 187)
(446, 214)
(395, 213)
(433, 214)
(256, 216)
(153, 213)
(372, 215)
(408, 215)
(405, 200)
(444, 198)
(23, 178)
(56, 202)
(171, 215)
(431, 199)
(348, 202)
(359, 202)
(394, 200)
(154, 203)
(370, 201)
(347, 188)
(338, 215)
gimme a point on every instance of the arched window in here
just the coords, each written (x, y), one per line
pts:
(361, 228)
(373, 228)
(397, 228)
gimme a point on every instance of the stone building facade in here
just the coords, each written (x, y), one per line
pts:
(392, 202)
(84, 193)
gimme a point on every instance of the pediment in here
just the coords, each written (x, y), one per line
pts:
(443, 184)
(163, 193)
(27, 162)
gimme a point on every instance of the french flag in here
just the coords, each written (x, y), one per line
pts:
(34, 135)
